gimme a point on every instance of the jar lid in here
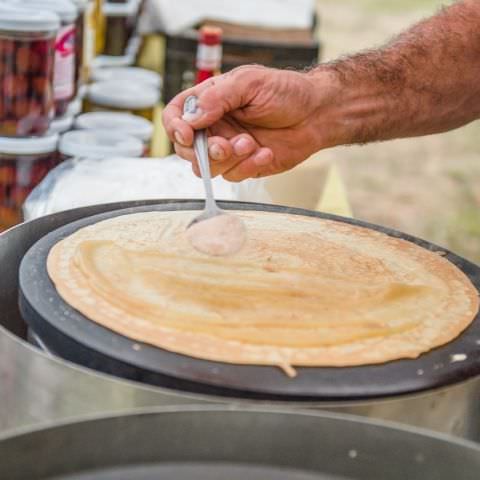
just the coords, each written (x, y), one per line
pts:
(74, 107)
(29, 146)
(16, 19)
(100, 143)
(65, 9)
(134, 125)
(61, 125)
(122, 94)
(126, 9)
(131, 74)
(113, 61)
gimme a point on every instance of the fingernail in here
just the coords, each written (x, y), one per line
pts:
(216, 152)
(242, 147)
(178, 138)
(262, 159)
(193, 117)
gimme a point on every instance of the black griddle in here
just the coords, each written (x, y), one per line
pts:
(69, 334)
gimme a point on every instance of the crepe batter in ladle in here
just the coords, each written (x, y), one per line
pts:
(214, 232)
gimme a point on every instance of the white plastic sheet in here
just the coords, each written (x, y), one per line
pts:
(175, 16)
(83, 182)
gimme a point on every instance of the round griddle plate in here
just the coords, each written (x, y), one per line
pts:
(71, 335)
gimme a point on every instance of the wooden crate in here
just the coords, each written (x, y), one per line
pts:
(242, 45)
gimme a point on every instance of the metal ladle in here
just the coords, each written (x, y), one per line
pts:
(214, 231)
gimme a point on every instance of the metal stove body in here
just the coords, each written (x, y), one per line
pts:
(36, 388)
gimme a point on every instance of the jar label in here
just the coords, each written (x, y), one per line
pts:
(64, 74)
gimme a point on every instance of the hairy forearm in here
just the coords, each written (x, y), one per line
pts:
(425, 81)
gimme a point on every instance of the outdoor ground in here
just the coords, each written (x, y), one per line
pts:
(429, 187)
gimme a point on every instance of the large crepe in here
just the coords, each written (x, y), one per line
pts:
(302, 292)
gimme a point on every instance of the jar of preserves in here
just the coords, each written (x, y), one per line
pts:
(27, 49)
(64, 69)
(24, 162)
(127, 123)
(99, 144)
(122, 96)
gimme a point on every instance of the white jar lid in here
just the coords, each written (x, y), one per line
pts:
(134, 125)
(65, 9)
(100, 143)
(113, 61)
(121, 9)
(28, 146)
(61, 125)
(74, 107)
(14, 19)
(122, 94)
(130, 74)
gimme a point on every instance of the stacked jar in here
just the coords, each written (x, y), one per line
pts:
(27, 51)
(27, 48)
(24, 162)
(99, 144)
(65, 87)
(122, 96)
(125, 123)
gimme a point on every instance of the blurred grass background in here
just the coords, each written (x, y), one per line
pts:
(430, 186)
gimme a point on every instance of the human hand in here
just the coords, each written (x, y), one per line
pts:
(260, 121)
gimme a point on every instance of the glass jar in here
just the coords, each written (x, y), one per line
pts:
(64, 70)
(27, 47)
(99, 144)
(24, 162)
(121, 21)
(127, 123)
(121, 96)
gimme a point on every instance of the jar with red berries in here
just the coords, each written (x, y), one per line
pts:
(24, 162)
(27, 49)
(64, 84)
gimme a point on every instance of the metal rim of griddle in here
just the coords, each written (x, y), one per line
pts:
(311, 442)
(69, 334)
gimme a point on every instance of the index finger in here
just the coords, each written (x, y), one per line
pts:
(173, 114)
(173, 121)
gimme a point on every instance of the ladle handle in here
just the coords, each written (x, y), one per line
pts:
(201, 151)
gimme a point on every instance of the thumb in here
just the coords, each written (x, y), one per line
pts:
(216, 97)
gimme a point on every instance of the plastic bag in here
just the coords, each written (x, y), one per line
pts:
(84, 182)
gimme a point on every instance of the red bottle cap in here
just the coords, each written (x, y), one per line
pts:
(210, 35)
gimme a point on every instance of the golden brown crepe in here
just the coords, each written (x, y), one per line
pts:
(302, 291)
